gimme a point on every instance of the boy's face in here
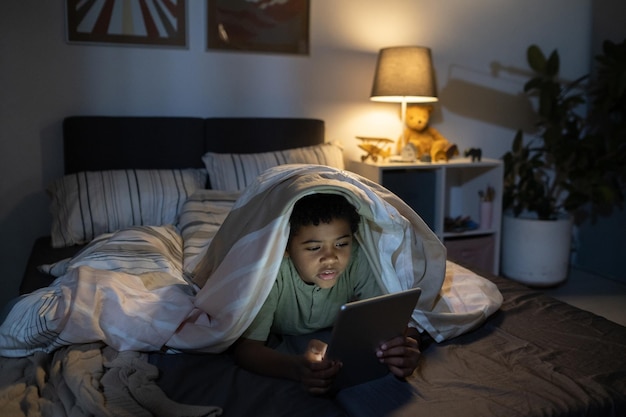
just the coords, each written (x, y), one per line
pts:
(321, 253)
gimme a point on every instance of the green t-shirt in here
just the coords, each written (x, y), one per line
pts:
(294, 307)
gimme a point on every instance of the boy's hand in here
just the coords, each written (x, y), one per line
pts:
(401, 354)
(316, 373)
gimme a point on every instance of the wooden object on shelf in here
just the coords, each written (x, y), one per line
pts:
(441, 190)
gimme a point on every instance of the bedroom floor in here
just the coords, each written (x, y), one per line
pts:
(602, 296)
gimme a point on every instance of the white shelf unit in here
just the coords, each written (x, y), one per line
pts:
(448, 189)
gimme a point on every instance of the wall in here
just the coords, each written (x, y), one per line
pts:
(600, 248)
(478, 49)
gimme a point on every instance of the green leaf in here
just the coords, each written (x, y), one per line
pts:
(517, 141)
(552, 66)
(545, 103)
(532, 84)
(536, 59)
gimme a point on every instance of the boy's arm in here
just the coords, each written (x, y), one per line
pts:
(316, 375)
(256, 357)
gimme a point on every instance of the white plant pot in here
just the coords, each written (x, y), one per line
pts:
(536, 252)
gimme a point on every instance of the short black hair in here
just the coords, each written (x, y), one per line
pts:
(322, 208)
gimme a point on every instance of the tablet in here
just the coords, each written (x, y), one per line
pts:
(359, 330)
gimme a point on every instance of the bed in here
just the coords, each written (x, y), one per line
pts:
(534, 356)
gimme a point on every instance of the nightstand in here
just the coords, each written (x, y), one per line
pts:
(441, 190)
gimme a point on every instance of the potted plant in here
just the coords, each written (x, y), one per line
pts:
(571, 169)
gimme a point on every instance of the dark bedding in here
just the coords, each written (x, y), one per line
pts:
(536, 356)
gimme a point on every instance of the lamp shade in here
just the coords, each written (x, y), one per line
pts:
(404, 74)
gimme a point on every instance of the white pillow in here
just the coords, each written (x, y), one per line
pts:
(87, 204)
(235, 171)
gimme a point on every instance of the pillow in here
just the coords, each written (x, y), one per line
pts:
(87, 204)
(235, 171)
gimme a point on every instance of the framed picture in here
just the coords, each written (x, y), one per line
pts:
(145, 22)
(258, 26)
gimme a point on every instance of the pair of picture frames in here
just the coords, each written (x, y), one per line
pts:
(274, 26)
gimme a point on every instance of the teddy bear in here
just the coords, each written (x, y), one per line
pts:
(430, 145)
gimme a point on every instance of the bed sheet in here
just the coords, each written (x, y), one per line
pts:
(537, 356)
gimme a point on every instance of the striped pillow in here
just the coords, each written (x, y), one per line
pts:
(235, 171)
(87, 204)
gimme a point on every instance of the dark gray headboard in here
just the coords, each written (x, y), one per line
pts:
(250, 135)
(94, 143)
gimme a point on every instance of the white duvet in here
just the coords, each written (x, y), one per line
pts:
(197, 285)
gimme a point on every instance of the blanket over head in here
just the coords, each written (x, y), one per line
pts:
(242, 262)
(129, 290)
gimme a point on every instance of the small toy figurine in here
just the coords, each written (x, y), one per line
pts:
(475, 153)
(375, 147)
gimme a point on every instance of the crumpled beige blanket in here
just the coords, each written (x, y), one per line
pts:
(87, 380)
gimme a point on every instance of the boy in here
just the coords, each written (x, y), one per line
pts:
(323, 268)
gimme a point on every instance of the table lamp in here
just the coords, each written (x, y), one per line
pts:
(404, 74)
